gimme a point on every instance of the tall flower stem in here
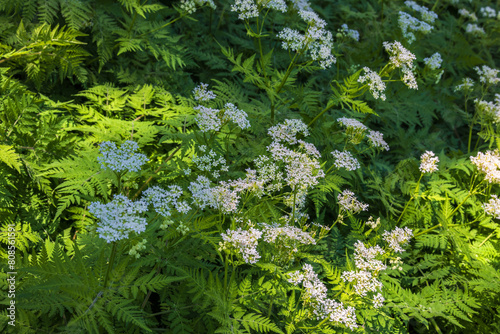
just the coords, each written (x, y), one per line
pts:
(110, 264)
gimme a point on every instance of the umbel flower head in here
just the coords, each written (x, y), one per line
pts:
(119, 217)
(428, 162)
(121, 159)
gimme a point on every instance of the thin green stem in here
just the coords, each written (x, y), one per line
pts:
(110, 264)
(411, 198)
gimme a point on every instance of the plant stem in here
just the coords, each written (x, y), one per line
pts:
(110, 264)
(411, 198)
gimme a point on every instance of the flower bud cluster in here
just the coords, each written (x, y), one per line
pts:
(428, 162)
(135, 250)
(402, 58)
(119, 217)
(492, 208)
(466, 85)
(121, 159)
(287, 236)
(345, 160)
(489, 164)
(315, 296)
(374, 82)
(434, 61)
(348, 202)
(351, 33)
(373, 224)
(182, 228)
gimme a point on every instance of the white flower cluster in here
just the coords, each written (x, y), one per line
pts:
(288, 236)
(397, 237)
(209, 162)
(246, 9)
(201, 93)
(488, 75)
(243, 243)
(488, 12)
(202, 193)
(165, 200)
(316, 297)
(301, 5)
(345, 160)
(492, 208)
(351, 33)
(426, 14)
(466, 85)
(428, 162)
(348, 202)
(367, 269)
(316, 40)
(374, 82)
(121, 159)
(401, 57)
(489, 164)
(465, 13)
(376, 139)
(474, 30)
(378, 300)
(490, 109)
(352, 123)
(409, 25)
(434, 61)
(209, 119)
(119, 217)
(288, 130)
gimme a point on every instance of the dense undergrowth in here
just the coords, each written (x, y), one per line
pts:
(250, 166)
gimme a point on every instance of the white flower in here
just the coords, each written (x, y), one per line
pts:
(376, 139)
(365, 281)
(202, 93)
(487, 75)
(397, 237)
(434, 62)
(202, 193)
(246, 9)
(426, 14)
(242, 242)
(489, 164)
(121, 159)
(293, 40)
(209, 162)
(288, 236)
(365, 258)
(402, 58)
(208, 119)
(474, 30)
(428, 162)
(488, 12)
(119, 217)
(236, 115)
(346, 160)
(492, 208)
(374, 82)
(288, 130)
(373, 224)
(378, 300)
(491, 110)
(465, 13)
(188, 6)
(352, 123)
(164, 201)
(348, 202)
(409, 25)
